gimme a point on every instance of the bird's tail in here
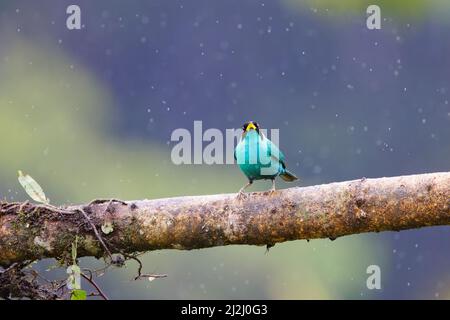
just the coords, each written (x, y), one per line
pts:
(288, 176)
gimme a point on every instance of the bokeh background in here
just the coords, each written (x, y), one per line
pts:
(89, 113)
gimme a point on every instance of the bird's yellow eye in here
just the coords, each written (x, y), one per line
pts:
(250, 126)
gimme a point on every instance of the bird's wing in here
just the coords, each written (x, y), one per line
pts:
(239, 143)
(275, 153)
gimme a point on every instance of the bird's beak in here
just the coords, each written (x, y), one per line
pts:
(250, 126)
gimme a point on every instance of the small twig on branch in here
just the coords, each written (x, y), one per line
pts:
(97, 234)
(140, 275)
(100, 201)
(150, 276)
(118, 261)
(94, 284)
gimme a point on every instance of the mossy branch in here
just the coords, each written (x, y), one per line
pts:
(32, 232)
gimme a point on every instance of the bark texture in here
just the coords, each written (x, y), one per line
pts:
(30, 232)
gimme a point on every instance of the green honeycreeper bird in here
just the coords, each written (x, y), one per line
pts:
(259, 158)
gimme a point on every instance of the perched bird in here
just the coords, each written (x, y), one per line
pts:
(259, 158)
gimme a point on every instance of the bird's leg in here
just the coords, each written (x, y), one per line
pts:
(272, 190)
(241, 194)
(245, 187)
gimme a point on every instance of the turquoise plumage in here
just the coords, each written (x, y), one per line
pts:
(259, 158)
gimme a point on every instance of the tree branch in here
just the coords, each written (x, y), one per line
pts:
(30, 232)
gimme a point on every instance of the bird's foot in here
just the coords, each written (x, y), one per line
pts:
(269, 192)
(242, 195)
(268, 246)
(272, 190)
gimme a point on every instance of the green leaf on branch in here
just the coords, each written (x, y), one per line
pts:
(78, 295)
(32, 188)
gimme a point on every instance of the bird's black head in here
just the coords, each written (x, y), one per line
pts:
(250, 125)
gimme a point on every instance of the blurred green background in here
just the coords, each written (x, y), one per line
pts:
(89, 114)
